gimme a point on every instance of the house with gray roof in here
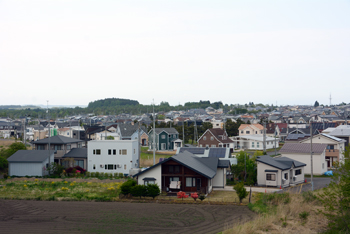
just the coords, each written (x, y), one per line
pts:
(279, 172)
(130, 132)
(186, 172)
(30, 162)
(75, 157)
(302, 152)
(166, 139)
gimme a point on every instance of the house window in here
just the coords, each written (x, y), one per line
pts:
(298, 172)
(242, 132)
(68, 147)
(147, 182)
(211, 138)
(177, 169)
(171, 169)
(124, 166)
(247, 132)
(200, 145)
(206, 145)
(190, 182)
(110, 166)
(257, 145)
(94, 167)
(134, 151)
(174, 179)
(163, 136)
(286, 176)
(122, 152)
(98, 152)
(79, 163)
(213, 146)
(114, 152)
(205, 138)
(109, 152)
(256, 132)
(271, 177)
(253, 144)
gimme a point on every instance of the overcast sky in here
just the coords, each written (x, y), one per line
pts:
(72, 52)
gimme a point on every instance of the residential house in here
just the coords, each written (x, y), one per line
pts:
(186, 172)
(342, 132)
(75, 157)
(250, 129)
(302, 153)
(215, 137)
(221, 153)
(166, 139)
(60, 144)
(334, 150)
(255, 142)
(131, 132)
(30, 162)
(279, 172)
(113, 156)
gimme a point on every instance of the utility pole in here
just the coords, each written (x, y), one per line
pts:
(183, 132)
(48, 117)
(195, 137)
(264, 136)
(154, 137)
(312, 168)
(139, 144)
(275, 141)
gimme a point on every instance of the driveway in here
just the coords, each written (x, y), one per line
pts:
(319, 183)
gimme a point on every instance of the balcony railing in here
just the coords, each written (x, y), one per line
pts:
(332, 153)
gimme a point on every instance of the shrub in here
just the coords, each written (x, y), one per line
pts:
(93, 174)
(125, 189)
(88, 174)
(102, 174)
(241, 191)
(121, 175)
(194, 196)
(201, 197)
(308, 196)
(3, 163)
(303, 215)
(182, 195)
(138, 191)
(97, 174)
(115, 175)
(153, 190)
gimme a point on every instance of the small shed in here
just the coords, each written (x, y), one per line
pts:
(30, 162)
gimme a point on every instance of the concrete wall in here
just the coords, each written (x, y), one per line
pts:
(126, 162)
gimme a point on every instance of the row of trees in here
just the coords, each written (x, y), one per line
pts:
(5, 153)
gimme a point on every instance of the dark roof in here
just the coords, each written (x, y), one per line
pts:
(303, 148)
(218, 152)
(224, 164)
(59, 140)
(282, 163)
(76, 153)
(29, 156)
(193, 150)
(127, 130)
(206, 166)
(168, 130)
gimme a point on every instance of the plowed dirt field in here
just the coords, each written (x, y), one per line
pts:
(24, 216)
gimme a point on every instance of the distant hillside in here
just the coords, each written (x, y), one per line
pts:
(112, 102)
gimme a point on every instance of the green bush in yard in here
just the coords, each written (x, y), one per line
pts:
(241, 191)
(138, 191)
(126, 187)
(152, 190)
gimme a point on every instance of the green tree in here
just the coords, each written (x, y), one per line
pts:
(245, 168)
(336, 197)
(241, 191)
(316, 104)
(13, 148)
(232, 127)
(138, 191)
(127, 186)
(110, 138)
(3, 163)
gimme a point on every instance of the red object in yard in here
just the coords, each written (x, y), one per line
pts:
(280, 186)
(305, 181)
(265, 190)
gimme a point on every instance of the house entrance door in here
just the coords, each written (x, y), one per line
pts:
(163, 146)
(198, 184)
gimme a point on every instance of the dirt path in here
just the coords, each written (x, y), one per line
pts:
(20, 216)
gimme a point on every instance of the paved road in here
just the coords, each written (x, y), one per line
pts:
(319, 182)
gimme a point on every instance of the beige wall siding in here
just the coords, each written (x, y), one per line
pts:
(219, 180)
(319, 162)
(155, 172)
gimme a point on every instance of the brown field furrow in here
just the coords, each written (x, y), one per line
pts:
(24, 216)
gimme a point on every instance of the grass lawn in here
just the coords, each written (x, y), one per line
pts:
(59, 190)
(147, 157)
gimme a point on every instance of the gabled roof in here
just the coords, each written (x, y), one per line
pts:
(76, 153)
(127, 130)
(333, 138)
(206, 167)
(30, 156)
(258, 126)
(59, 140)
(167, 130)
(282, 163)
(303, 148)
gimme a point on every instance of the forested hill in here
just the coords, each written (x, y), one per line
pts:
(111, 102)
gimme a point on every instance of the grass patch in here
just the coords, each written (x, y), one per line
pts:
(59, 190)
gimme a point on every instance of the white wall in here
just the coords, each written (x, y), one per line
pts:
(130, 160)
(318, 160)
(155, 172)
(219, 180)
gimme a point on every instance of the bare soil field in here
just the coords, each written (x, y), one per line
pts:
(25, 216)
